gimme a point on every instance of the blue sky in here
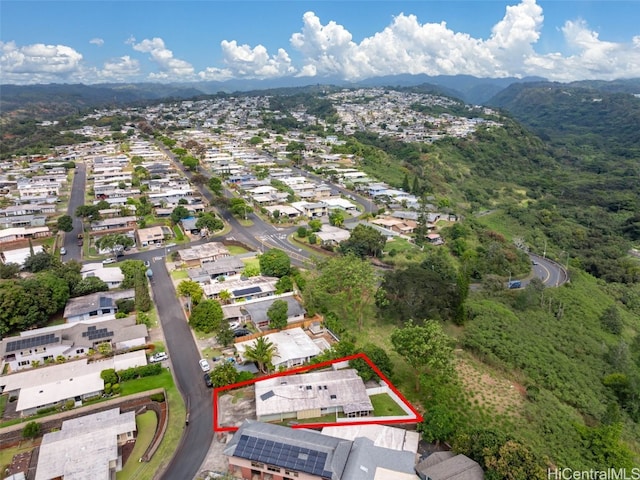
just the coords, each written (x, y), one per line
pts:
(117, 41)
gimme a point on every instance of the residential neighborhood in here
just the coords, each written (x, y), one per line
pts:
(147, 221)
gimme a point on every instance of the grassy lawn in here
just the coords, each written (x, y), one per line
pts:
(164, 380)
(236, 249)
(384, 405)
(245, 223)
(209, 352)
(153, 317)
(178, 233)
(7, 454)
(252, 262)
(328, 418)
(179, 275)
(3, 402)
(400, 245)
(146, 425)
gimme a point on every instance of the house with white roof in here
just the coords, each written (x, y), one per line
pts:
(86, 447)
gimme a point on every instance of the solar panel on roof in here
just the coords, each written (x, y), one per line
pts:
(246, 291)
(283, 455)
(31, 342)
(105, 302)
(267, 395)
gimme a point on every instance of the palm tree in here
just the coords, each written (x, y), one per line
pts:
(225, 297)
(262, 352)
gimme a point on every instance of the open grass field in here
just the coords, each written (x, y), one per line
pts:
(236, 249)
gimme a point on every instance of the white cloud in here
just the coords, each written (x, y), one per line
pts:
(407, 46)
(38, 62)
(170, 67)
(97, 41)
(120, 68)
(243, 61)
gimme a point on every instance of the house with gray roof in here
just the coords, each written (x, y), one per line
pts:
(100, 304)
(222, 267)
(312, 395)
(262, 450)
(449, 466)
(69, 341)
(257, 310)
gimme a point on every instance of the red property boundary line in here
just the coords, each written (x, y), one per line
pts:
(306, 368)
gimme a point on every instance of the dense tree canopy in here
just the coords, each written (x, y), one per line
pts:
(275, 263)
(206, 316)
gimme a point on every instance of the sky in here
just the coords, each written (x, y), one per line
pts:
(94, 41)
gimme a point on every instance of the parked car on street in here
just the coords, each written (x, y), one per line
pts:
(63, 251)
(107, 261)
(207, 380)
(204, 365)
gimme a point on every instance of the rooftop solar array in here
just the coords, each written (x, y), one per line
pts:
(94, 333)
(246, 291)
(106, 302)
(282, 455)
(31, 342)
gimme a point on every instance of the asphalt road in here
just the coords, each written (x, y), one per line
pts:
(76, 198)
(551, 273)
(183, 356)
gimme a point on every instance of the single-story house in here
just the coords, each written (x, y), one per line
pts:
(312, 395)
(285, 211)
(114, 224)
(257, 310)
(330, 235)
(18, 255)
(243, 289)
(52, 385)
(150, 236)
(100, 304)
(198, 255)
(263, 450)
(112, 276)
(19, 233)
(86, 447)
(311, 210)
(222, 267)
(189, 225)
(294, 347)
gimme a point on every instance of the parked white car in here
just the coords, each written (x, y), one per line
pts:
(204, 365)
(158, 357)
(107, 261)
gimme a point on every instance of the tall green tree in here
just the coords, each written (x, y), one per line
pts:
(65, 223)
(275, 263)
(261, 351)
(425, 347)
(114, 242)
(364, 241)
(215, 185)
(206, 316)
(278, 314)
(189, 288)
(179, 213)
(209, 221)
(336, 218)
(345, 286)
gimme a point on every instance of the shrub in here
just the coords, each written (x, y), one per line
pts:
(31, 430)
(109, 376)
(115, 388)
(42, 411)
(157, 397)
(69, 404)
(107, 389)
(313, 239)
